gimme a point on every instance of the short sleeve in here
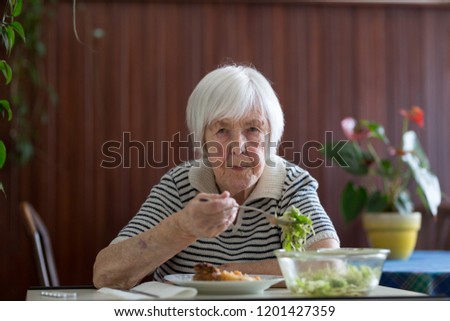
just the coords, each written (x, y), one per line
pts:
(300, 190)
(162, 202)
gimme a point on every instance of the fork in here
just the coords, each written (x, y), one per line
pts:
(272, 219)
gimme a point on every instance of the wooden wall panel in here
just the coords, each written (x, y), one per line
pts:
(326, 61)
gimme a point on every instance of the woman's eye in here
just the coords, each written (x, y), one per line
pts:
(254, 130)
(222, 131)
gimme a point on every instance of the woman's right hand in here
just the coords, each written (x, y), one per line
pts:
(208, 219)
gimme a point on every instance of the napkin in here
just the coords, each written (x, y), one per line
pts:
(147, 290)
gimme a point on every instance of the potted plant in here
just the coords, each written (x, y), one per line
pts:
(384, 175)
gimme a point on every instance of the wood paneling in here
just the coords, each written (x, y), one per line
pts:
(326, 61)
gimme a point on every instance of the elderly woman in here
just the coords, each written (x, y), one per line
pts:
(236, 115)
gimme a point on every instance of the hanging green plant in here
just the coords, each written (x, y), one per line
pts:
(9, 28)
(30, 94)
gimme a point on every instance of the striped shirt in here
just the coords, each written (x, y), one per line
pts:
(251, 238)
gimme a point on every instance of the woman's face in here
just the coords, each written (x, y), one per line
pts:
(235, 150)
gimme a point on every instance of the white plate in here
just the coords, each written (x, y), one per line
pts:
(225, 287)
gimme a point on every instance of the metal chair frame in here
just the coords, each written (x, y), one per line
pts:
(435, 231)
(42, 246)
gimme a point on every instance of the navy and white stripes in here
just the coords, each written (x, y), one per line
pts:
(252, 238)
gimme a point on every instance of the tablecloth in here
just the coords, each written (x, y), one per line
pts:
(425, 271)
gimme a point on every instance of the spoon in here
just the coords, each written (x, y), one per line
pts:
(272, 219)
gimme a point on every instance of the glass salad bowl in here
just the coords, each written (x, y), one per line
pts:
(332, 272)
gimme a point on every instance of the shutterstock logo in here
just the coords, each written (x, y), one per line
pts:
(129, 153)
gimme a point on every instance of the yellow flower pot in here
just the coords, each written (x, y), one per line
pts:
(394, 231)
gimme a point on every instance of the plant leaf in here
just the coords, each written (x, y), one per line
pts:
(333, 151)
(411, 144)
(403, 203)
(351, 158)
(2, 154)
(377, 202)
(2, 189)
(376, 130)
(385, 169)
(19, 29)
(353, 200)
(422, 197)
(17, 8)
(5, 105)
(6, 71)
(419, 166)
(4, 37)
(11, 36)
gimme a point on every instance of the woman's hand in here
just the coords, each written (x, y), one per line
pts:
(210, 218)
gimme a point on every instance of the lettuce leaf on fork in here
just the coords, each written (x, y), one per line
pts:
(294, 235)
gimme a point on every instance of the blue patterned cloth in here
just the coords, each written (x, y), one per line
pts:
(425, 271)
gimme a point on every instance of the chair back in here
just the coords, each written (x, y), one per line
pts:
(443, 221)
(435, 231)
(41, 243)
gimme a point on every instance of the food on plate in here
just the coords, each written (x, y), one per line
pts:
(294, 235)
(208, 272)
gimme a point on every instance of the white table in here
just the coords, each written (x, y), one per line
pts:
(90, 294)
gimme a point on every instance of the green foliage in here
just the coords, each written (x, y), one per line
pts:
(6, 71)
(377, 202)
(2, 154)
(387, 178)
(31, 95)
(9, 27)
(351, 158)
(375, 130)
(5, 109)
(353, 200)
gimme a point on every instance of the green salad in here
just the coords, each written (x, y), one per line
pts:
(324, 278)
(294, 235)
(355, 280)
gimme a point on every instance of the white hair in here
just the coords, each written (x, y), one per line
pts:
(233, 91)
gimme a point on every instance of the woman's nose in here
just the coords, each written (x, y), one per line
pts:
(238, 144)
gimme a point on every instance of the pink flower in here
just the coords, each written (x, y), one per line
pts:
(415, 114)
(353, 130)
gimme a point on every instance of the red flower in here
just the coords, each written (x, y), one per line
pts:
(415, 114)
(353, 130)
